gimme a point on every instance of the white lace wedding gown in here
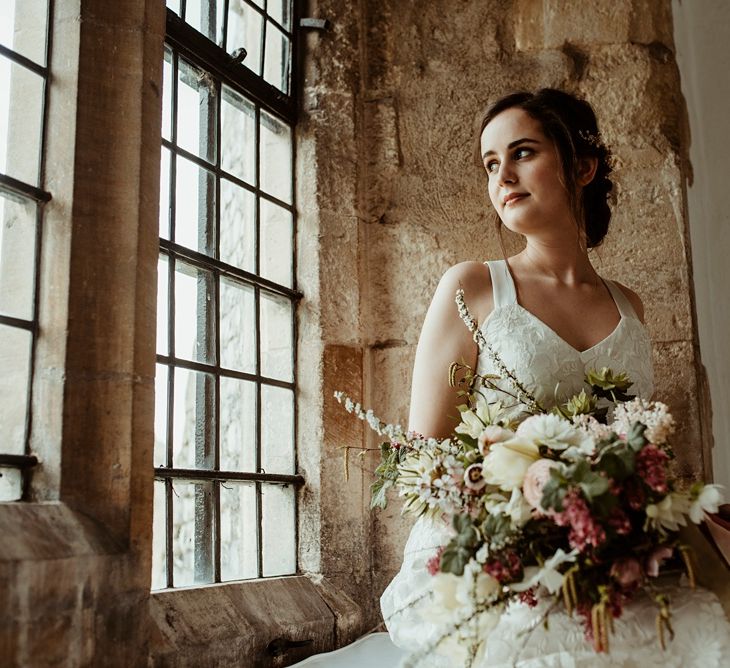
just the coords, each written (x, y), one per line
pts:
(539, 356)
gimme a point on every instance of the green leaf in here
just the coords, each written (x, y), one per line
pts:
(467, 440)
(378, 490)
(553, 494)
(617, 463)
(466, 535)
(635, 438)
(594, 486)
(454, 559)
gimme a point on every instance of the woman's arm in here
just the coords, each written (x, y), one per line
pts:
(445, 339)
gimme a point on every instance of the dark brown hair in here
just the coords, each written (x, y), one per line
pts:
(570, 123)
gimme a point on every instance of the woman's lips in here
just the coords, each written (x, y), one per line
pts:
(514, 200)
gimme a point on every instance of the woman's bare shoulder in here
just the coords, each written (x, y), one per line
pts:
(474, 278)
(634, 299)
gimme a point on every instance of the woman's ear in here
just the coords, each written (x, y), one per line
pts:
(586, 170)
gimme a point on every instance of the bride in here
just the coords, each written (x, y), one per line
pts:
(550, 317)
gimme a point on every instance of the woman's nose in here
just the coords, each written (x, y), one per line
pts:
(506, 174)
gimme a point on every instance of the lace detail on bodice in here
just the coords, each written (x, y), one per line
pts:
(539, 356)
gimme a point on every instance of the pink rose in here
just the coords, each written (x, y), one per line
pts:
(626, 572)
(656, 559)
(536, 477)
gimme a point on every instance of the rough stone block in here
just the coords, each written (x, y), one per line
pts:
(546, 24)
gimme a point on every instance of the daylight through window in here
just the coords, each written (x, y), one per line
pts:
(24, 49)
(225, 457)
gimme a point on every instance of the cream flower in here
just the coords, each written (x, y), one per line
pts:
(517, 508)
(553, 432)
(474, 421)
(491, 435)
(670, 512)
(708, 501)
(548, 576)
(507, 462)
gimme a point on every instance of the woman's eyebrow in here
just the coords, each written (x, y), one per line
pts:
(512, 144)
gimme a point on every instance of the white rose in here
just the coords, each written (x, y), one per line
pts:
(507, 462)
(553, 432)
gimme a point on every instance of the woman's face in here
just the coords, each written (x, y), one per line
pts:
(524, 171)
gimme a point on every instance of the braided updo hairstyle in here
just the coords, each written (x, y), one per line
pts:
(570, 123)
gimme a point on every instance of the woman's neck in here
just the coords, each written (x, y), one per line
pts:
(566, 264)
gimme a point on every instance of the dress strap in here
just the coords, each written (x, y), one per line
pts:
(503, 287)
(622, 301)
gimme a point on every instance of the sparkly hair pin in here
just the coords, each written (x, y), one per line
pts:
(590, 138)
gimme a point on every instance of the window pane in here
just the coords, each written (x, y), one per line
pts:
(238, 531)
(163, 277)
(276, 337)
(11, 484)
(194, 313)
(193, 428)
(276, 158)
(245, 26)
(238, 136)
(206, 16)
(159, 551)
(23, 27)
(174, 5)
(196, 111)
(14, 381)
(21, 114)
(280, 11)
(238, 326)
(167, 95)
(17, 257)
(276, 69)
(238, 424)
(165, 194)
(195, 207)
(192, 538)
(277, 436)
(278, 530)
(277, 236)
(238, 226)
(160, 455)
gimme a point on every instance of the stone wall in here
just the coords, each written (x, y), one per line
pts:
(425, 72)
(388, 198)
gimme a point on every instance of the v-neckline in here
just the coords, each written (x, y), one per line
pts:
(622, 317)
(570, 345)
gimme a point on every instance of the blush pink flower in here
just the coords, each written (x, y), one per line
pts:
(651, 465)
(656, 559)
(627, 572)
(491, 435)
(536, 477)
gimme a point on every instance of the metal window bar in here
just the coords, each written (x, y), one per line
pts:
(198, 50)
(22, 191)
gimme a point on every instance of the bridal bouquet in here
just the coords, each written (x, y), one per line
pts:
(564, 505)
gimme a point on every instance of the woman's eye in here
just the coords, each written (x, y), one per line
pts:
(490, 166)
(522, 152)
